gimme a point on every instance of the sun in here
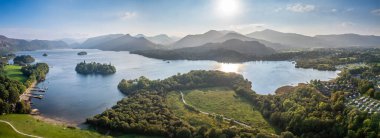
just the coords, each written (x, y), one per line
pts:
(227, 67)
(227, 8)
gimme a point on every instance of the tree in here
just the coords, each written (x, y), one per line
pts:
(287, 134)
(183, 133)
(22, 107)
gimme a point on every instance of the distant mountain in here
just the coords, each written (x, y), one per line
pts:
(71, 41)
(162, 39)
(125, 43)
(232, 50)
(197, 40)
(91, 42)
(11, 44)
(351, 40)
(292, 40)
(217, 37)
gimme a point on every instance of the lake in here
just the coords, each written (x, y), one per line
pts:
(73, 97)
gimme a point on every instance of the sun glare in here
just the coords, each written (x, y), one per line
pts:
(226, 67)
(227, 8)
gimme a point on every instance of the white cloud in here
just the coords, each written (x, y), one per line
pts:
(128, 15)
(334, 10)
(376, 12)
(298, 7)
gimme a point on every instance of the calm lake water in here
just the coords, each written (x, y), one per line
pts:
(73, 97)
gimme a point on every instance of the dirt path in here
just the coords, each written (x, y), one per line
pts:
(225, 118)
(33, 136)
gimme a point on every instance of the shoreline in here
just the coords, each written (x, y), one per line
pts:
(55, 121)
(24, 96)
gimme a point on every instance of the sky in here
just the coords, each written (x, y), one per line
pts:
(55, 19)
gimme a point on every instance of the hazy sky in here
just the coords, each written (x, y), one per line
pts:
(52, 19)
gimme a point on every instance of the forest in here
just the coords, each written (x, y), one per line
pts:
(144, 110)
(36, 72)
(94, 68)
(23, 59)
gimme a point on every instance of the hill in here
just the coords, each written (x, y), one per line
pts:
(161, 39)
(217, 37)
(351, 40)
(293, 40)
(232, 50)
(11, 44)
(119, 42)
(197, 40)
(91, 42)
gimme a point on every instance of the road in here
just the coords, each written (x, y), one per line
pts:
(33, 136)
(225, 118)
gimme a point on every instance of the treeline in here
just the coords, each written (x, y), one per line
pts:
(23, 59)
(36, 72)
(340, 57)
(144, 110)
(10, 91)
(321, 59)
(94, 68)
(191, 80)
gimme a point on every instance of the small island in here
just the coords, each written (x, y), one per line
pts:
(94, 68)
(23, 59)
(82, 53)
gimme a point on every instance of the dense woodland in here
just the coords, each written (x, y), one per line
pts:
(144, 110)
(94, 68)
(23, 59)
(36, 72)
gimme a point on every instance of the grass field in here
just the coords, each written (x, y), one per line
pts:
(6, 131)
(14, 72)
(224, 101)
(195, 119)
(27, 124)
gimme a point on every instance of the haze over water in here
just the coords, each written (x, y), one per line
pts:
(74, 97)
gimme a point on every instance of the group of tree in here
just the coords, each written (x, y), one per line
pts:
(36, 72)
(94, 68)
(145, 110)
(23, 59)
(10, 91)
